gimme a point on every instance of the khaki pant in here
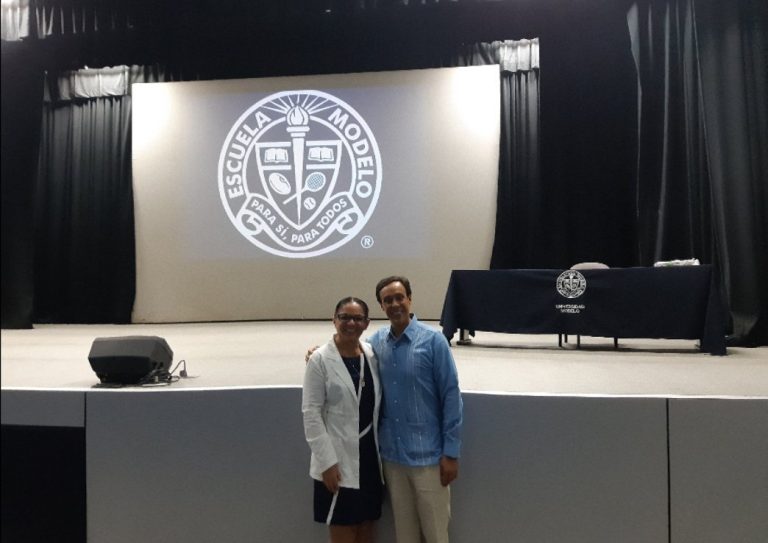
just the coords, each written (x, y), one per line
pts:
(421, 505)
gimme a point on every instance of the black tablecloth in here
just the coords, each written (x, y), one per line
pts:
(667, 302)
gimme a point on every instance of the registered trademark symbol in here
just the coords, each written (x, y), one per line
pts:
(366, 242)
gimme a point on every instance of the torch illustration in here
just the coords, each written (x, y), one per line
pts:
(298, 126)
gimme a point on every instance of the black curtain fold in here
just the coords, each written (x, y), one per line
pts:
(84, 264)
(703, 142)
(588, 141)
(734, 81)
(673, 193)
(518, 209)
(22, 93)
(72, 17)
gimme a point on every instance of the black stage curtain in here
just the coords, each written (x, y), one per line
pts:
(588, 142)
(734, 81)
(640, 158)
(84, 265)
(518, 206)
(703, 145)
(84, 227)
(519, 197)
(22, 96)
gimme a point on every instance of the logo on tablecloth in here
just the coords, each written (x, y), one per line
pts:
(571, 284)
(299, 173)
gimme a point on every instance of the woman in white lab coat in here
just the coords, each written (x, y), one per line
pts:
(340, 404)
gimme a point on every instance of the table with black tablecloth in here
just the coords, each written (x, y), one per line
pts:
(680, 302)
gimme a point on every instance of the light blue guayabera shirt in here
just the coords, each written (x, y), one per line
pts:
(421, 407)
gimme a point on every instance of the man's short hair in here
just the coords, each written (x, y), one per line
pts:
(393, 279)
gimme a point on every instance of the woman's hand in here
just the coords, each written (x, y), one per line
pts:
(331, 478)
(309, 353)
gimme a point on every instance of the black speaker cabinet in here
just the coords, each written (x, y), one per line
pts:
(128, 359)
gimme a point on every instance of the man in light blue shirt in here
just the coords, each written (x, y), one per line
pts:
(421, 416)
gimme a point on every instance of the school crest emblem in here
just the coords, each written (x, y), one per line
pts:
(299, 173)
(571, 284)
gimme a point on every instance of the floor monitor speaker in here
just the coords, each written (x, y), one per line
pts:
(129, 359)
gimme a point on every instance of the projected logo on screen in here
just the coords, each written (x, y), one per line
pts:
(299, 173)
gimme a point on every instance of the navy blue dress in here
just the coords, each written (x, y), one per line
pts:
(353, 506)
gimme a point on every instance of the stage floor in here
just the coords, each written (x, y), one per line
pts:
(257, 354)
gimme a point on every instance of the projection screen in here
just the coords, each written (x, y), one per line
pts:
(268, 199)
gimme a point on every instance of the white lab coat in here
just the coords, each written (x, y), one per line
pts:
(332, 414)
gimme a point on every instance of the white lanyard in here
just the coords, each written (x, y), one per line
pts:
(361, 380)
(360, 386)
